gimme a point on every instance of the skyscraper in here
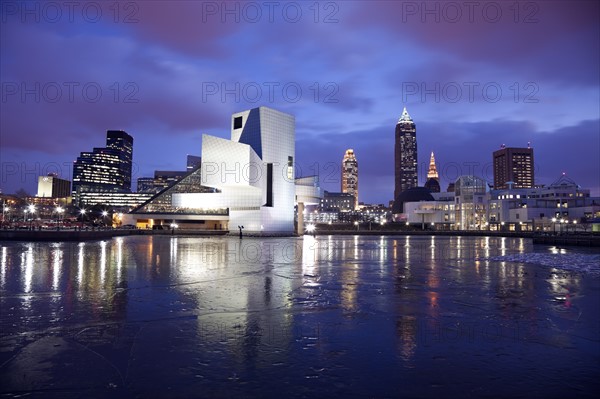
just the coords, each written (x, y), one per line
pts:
(433, 179)
(350, 175)
(122, 143)
(405, 154)
(106, 169)
(513, 165)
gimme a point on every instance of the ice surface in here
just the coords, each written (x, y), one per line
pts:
(360, 316)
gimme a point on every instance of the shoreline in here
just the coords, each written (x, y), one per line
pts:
(588, 240)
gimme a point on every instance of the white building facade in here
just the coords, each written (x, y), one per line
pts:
(246, 182)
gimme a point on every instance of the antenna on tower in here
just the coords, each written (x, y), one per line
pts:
(529, 144)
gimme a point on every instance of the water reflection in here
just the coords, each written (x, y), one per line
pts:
(57, 255)
(3, 270)
(27, 267)
(80, 265)
(102, 262)
(283, 310)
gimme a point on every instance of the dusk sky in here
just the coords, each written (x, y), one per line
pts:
(473, 76)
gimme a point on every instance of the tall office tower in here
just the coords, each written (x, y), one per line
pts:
(121, 142)
(515, 166)
(405, 154)
(433, 179)
(350, 175)
(106, 169)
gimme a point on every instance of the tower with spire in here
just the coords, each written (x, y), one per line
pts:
(433, 179)
(405, 154)
(350, 175)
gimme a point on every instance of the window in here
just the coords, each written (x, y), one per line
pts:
(269, 185)
(290, 168)
(237, 122)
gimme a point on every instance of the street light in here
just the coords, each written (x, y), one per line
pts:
(104, 215)
(356, 224)
(82, 213)
(5, 211)
(59, 211)
(31, 209)
(311, 229)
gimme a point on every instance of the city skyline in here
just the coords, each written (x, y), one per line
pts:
(165, 74)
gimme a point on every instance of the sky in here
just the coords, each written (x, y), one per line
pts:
(472, 75)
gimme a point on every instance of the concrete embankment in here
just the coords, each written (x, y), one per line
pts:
(524, 234)
(589, 240)
(90, 235)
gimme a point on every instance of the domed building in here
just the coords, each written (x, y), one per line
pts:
(414, 194)
(432, 185)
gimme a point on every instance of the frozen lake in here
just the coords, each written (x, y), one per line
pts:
(342, 316)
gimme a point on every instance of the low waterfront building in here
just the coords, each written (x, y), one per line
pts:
(471, 197)
(337, 202)
(51, 186)
(414, 194)
(438, 214)
(122, 200)
(549, 208)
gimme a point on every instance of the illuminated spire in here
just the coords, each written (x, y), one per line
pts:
(432, 173)
(405, 117)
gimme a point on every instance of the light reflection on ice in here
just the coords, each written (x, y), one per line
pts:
(586, 263)
(80, 264)
(57, 255)
(27, 262)
(119, 257)
(382, 254)
(102, 262)
(173, 250)
(309, 247)
(3, 268)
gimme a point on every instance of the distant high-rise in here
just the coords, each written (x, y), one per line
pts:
(54, 187)
(146, 185)
(405, 154)
(193, 162)
(166, 178)
(515, 166)
(433, 179)
(350, 175)
(106, 169)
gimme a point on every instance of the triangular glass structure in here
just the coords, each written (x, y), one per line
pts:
(162, 201)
